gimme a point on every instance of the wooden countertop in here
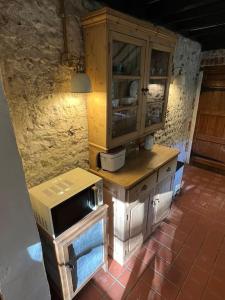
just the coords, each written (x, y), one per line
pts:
(139, 166)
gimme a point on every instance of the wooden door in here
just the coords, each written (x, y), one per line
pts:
(162, 200)
(138, 220)
(209, 137)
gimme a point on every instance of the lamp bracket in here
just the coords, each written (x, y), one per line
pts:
(73, 61)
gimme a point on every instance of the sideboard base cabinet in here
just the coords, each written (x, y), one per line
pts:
(137, 205)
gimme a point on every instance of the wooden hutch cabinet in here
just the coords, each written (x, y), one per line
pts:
(129, 63)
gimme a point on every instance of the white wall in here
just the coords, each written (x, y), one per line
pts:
(22, 274)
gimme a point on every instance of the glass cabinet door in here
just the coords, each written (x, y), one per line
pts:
(126, 58)
(156, 96)
(159, 63)
(126, 82)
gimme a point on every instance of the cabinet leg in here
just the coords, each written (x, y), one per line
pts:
(106, 266)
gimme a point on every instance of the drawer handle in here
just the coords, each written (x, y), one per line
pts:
(144, 188)
(168, 169)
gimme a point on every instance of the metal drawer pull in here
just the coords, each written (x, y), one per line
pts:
(69, 265)
(168, 169)
(144, 91)
(154, 201)
(144, 188)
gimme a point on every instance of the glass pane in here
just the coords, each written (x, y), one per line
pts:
(126, 58)
(124, 93)
(159, 63)
(154, 113)
(156, 90)
(124, 122)
(86, 253)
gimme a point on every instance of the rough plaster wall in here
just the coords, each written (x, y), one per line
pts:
(181, 96)
(50, 124)
(22, 273)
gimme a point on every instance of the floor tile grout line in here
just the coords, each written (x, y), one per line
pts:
(129, 292)
(202, 213)
(213, 266)
(170, 235)
(192, 264)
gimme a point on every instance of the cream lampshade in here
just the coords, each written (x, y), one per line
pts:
(80, 83)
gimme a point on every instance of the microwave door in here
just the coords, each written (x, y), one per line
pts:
(71, 211)
(94, 198)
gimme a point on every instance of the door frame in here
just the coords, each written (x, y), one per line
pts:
(194, 116)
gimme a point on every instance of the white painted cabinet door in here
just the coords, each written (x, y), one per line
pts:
(162, 200)
(138, 219)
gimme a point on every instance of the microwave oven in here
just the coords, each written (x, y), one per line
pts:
(64, 200)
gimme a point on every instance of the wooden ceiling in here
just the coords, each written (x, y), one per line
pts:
(200, 20)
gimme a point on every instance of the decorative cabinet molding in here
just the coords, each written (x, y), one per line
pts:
(129, 63)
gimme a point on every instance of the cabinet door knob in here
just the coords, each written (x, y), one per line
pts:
(68, 265)
(168, 169)
(144, 90)
(144, 188)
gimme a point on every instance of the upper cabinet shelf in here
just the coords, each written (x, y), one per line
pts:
(129, 63)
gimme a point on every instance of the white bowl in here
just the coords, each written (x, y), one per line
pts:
(128, 101)
(115, 103)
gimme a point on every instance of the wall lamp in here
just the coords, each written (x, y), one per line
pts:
(80, 81)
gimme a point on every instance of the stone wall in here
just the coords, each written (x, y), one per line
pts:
(182, 93)
(213, 57)
(51, 124)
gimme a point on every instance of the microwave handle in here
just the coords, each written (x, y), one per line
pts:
(95, 191)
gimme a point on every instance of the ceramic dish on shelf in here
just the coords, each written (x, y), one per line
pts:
(156, 92)
(127, 101)
(115, 103)
(134, 89)
(112, 91)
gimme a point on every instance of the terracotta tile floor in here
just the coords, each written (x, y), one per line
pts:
(184, 258)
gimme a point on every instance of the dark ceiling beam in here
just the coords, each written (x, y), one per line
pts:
(209, 33)
(208, 45)
(212, 41)
(196, 4)
(208, 12)
(204, 22)
(169, 9)
(150, 2)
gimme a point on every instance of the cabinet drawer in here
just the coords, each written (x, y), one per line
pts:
(142, 189)
(168, 169)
